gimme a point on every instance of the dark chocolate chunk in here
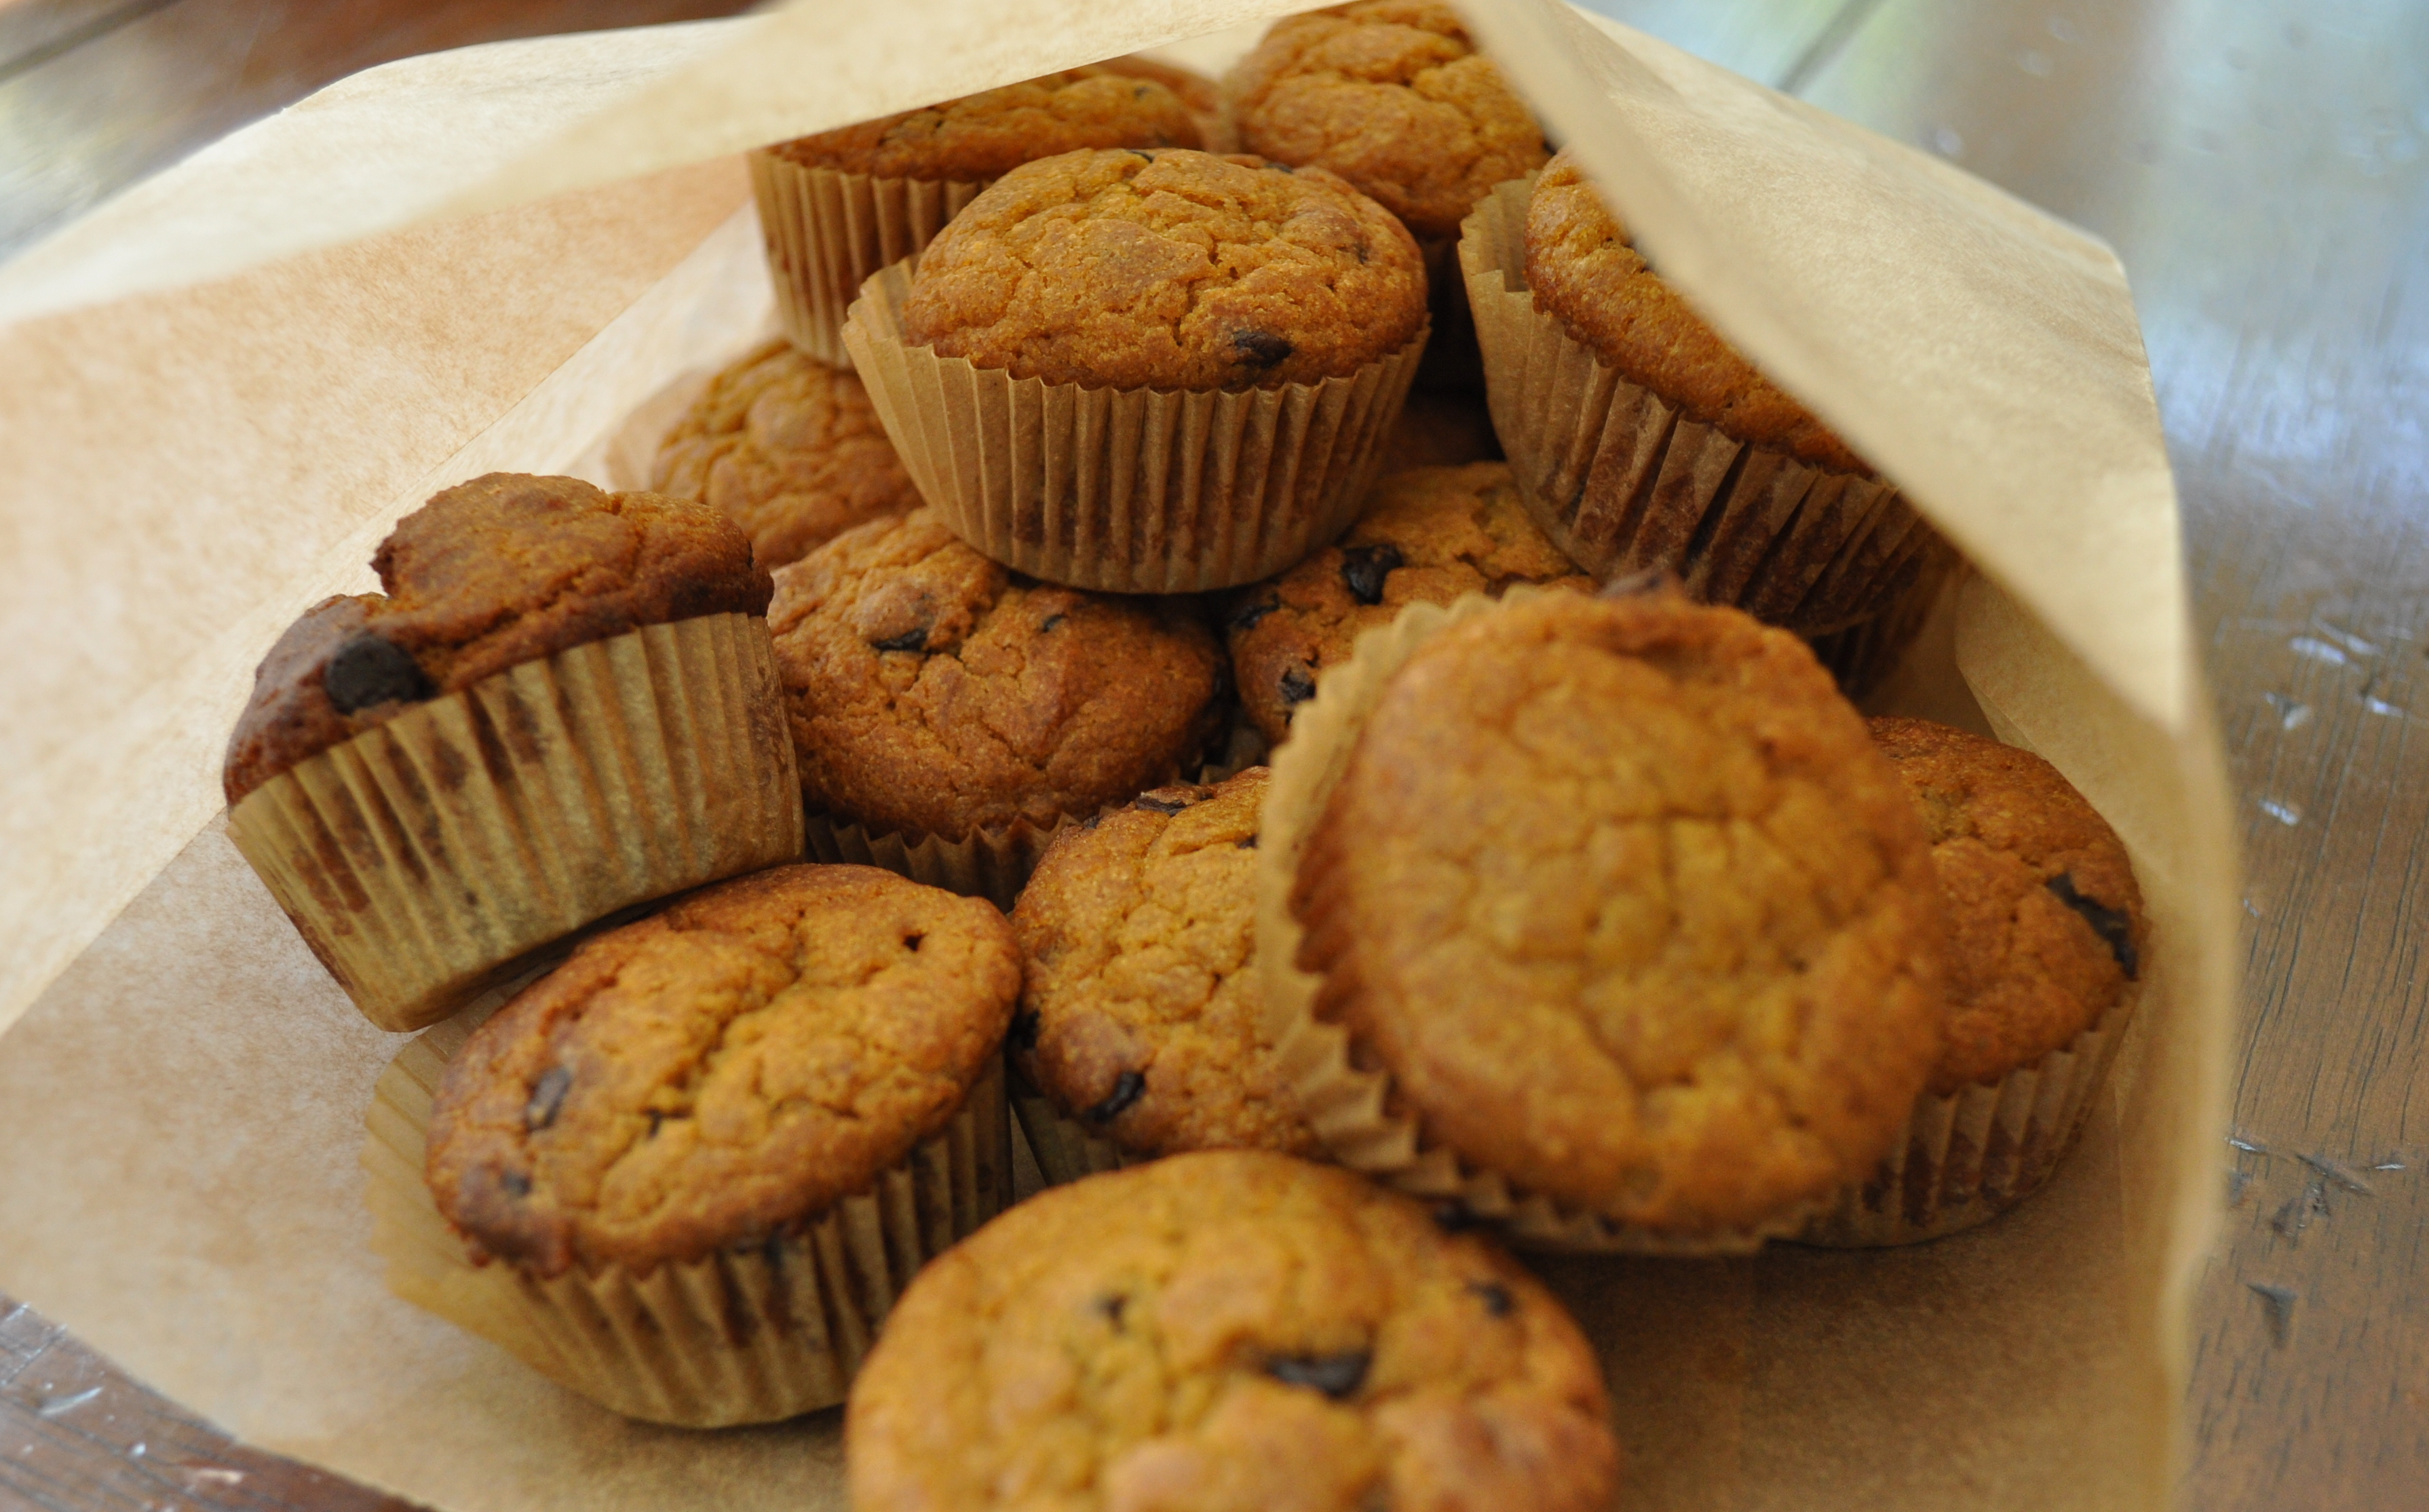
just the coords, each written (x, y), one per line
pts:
(1092, 821)
(518, 1184)
(911, 941)
(1249, 844)
(1052, 620)
(1245, 619)
(910, 640)
(547, 1098)
(1298, 685)
(1111, 1307)
(1024, 1030)
(1363, 568)
(1127, 1087)
(1496, 1297)
(2111, 924)
(1335, 1376)
(1455, 1218)
(369, 670)
(655, 1119)
(1149, 801)
(1259, 349)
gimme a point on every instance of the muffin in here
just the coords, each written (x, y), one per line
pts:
(790, 449)
(1202, 96)
(1140, 1006)
(1635, 928)
(2046, 940)
(686, 1173)
(1428, 536)
(837, 207)
(948, 714)
(562, 703)
(1230, 1329)
(1641, 440)
(1147, 371)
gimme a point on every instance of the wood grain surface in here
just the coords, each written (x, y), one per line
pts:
(2262, 167)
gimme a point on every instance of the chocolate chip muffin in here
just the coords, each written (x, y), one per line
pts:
(790, 449)
(1140, 1009)
(985, 135)
(1428, 536)
(1632, 911)
(1229, 1330)
(1168, 269)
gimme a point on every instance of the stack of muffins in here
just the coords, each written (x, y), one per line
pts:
(769, 847)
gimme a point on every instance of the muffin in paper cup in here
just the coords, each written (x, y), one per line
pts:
(1066, 1149)
(728, 1324)
(991, 864)
(1346, 1088)
(828, 231)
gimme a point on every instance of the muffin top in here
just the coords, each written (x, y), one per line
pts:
(1428, 536)
(790, 449)
(2045, 922)
(1168, 269)
(1392, 95)
(983, 135)
(1632, 909)
(1602, 290)
(1140, 1006)
(1200, 95)
(732, 1066)
(490, 574)
(1230, 1329)
(936, 691)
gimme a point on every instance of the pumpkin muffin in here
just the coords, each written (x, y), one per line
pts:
(1229, 1329)
(790, 449)
(985, 135)
(1428, 536)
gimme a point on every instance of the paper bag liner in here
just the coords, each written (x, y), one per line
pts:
(1965, 1158)
(424, 857)
(990, 864)
(1126, 490)
(1066, 1149)
(746, 1334)
(1623, 483)
(1353, 1108)
(828, 231)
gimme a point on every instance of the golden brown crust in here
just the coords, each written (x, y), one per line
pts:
(490, 574)
(715, 1073)
(2045, 922)
(1392, 95)
(985, 135)
(1632, 911)
(1229, 1330)
(1168, 269)
(1140, 1006)
(933, 691)
(1427, 536)
(790, 449)
(1585, 272)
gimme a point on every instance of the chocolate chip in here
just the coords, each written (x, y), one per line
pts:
(655, 1119)
(1298, 685)
(1259, 349)
(1092, 821)
(1149, 801)
(1496, 1297)
(1363, 568)
(547, 1098)
(910, 640)
(911, 943)
(1127, 1087)
(516, 1183)
(1052, 620)
(1024, 1030)
(1455, 1218)
(1249, 844)
(1246, 618)
(2111, 924)
(1111, 1307)
(1335, 1376)
(1150, 157)
(370, 670)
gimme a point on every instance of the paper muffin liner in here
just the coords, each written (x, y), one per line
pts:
(990, 864)
(827, 232)
(745, 1335)
(1625, 483)
(1965, 1158)
(1066, 1149)
(424, 857)
(1865, 653)
(1353, 1109)
(1126, 490)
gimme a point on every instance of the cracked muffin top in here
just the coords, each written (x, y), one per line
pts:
(1427, 536)
(1223, 1332)
(1168, 269)
(1585, 274)
(983, 135)
(787, 448)
(1634, 910)
(1392, 95)
(490, 574)
(1140, 1012)
(2045, 922)
(936, 691)
(732, 1066)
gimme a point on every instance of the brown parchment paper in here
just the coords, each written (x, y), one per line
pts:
(185, 468)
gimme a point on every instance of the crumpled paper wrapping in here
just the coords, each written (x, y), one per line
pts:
(188, 468)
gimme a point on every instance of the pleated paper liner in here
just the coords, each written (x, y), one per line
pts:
(827, 232)
(1066, 1148)
(746, 1334)
(424, 857)
(1351, 1106)
(1126, 490)
(1623, 483)
(990, 864)
(1965, 1158)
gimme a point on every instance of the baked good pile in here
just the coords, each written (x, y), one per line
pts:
(1249, 714)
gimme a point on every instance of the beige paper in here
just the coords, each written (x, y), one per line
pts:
(185, 472)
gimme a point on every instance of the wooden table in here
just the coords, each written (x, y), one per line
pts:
(2263, 168)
